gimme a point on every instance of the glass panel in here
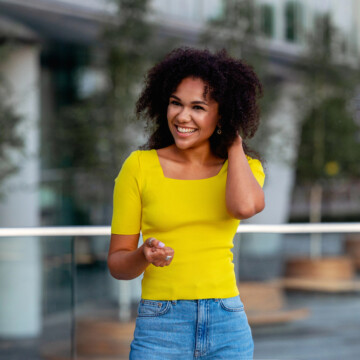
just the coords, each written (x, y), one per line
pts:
(298, 306)
(36, 298)
(301, 306)
(105, 308)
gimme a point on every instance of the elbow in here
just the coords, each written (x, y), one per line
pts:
(112, 271)
(248, 210)
(119, 276)
(115, 272)
(260, 204)
(243, 213)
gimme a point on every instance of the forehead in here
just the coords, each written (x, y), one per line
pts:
(193, 86)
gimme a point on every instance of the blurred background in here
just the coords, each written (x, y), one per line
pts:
(70, 74)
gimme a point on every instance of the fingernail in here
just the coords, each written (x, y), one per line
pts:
(161, 244)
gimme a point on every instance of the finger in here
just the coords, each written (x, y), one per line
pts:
(159, 262)
(155, 254)
(169, 256)
(149, 241)
(162, 259)
(154, 243)
(159, 256)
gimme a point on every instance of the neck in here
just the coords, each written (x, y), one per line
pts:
(200, 155)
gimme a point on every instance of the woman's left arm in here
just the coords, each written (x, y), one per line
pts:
(244, 195)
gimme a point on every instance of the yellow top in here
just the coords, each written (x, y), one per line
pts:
(190, 216)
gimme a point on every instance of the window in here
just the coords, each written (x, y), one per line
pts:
(267, 20)
(293, 21)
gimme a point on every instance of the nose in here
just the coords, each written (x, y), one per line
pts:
(184, 116)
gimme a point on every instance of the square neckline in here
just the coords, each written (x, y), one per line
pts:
(168, 178)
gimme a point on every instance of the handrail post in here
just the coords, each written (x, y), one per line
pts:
(73, 298)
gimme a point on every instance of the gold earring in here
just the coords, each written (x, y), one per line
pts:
(218, 131)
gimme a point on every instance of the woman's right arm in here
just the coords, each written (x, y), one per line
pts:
(126, 261)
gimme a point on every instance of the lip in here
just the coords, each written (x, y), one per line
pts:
(184, 134)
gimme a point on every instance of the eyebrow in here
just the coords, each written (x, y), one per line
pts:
(193, 102)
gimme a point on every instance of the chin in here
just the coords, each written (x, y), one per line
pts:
(181, 145)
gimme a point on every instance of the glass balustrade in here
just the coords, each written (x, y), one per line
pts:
(300, 291)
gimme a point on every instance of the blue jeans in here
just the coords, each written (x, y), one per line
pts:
(192, 329)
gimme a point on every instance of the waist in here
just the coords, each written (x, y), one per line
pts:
(183, 280)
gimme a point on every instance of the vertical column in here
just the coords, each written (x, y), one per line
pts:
(20, 265)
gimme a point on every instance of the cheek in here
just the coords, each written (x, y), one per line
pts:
(212, 123)
(170, 113)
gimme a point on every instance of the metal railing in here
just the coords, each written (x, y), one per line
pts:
(301, 228)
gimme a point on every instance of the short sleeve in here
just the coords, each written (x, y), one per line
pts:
(126, 219)
(257, 170)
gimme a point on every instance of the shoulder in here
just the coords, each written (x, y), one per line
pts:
(257, 169)
(131, 162)
(137, 157)
(254, 163)
(133, 168)
(137, 161)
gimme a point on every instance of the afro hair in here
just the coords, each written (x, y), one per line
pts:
(232, 83)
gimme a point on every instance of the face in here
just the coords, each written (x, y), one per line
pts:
(192, 118)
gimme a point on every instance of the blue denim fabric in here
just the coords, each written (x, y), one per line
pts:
(192, 329)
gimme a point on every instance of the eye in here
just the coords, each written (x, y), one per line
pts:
(174, 102)
(198, 107)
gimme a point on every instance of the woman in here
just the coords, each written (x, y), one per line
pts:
(187, 193)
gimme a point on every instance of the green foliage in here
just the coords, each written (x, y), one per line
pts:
(93, 131)
(324, 72)
(10, 138)
(233, 29)
(90, 134)
(329, 145)
(329, 140)
(236, 31)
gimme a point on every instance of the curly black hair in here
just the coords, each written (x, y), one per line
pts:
(232, 83)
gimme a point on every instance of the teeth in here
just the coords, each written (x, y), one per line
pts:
(185, 130)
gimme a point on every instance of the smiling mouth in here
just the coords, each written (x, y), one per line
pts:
(185, 130)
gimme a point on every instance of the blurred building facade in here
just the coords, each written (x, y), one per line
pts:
(53, 41)
(63, 27)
